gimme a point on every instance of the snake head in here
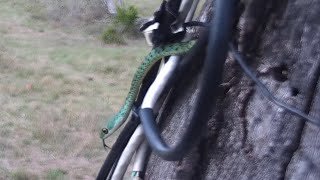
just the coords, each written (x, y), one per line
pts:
(104, 133)
(108, 130)
(111, 126)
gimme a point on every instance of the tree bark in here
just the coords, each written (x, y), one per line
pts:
(249, 137)
(111, 6)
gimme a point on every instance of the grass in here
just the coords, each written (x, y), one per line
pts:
(146, 8)
(57, 87)
(56, 174)
(23, 175)
(111, 36)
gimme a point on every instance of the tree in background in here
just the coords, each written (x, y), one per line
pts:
(111, 6)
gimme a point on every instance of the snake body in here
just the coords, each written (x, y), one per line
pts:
(154, 55)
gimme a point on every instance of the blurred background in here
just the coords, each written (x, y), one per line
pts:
(65, 67)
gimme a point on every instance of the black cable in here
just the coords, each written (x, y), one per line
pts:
(128, 130)
(211, 77)
(112, 169)
(196, 23)
(117, 148)
(143, 172)
(240, 59)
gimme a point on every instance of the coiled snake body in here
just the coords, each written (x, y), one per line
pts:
(155, 54)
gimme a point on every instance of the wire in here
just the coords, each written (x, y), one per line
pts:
(153, 95)
(159, 84)
(150, 99)
(240, 59)
(157, 89)
(112, 170)
(141, 156)
(196, 23)
(192, 10)
(220, 34)
(127, 154)
(117, 148)
(128, 130)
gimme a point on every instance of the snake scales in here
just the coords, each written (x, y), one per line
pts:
(155, 55)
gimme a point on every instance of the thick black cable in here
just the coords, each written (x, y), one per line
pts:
(240, 59)
(128, 130)
(210, 78)
(112, 169)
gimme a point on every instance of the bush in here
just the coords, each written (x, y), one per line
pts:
(123, 23)
(112, 35)
(126, 18)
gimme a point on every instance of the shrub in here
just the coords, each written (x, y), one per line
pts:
(123, 23)
(126, 18)
(112, 35)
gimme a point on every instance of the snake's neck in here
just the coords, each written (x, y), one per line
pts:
(118, 119)
(156, 54)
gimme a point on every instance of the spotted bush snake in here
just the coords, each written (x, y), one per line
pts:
(154, 56)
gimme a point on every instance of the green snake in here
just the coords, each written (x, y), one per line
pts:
(154, 55)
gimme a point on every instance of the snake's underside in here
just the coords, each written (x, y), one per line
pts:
(155, 55)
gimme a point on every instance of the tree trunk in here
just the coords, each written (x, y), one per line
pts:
(249, 137)
(111, 6)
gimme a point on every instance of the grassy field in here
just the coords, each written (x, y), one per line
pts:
(57, 87)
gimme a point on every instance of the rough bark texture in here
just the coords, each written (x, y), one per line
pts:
(249, 137)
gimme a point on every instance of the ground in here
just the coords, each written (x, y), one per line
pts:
(57, 88)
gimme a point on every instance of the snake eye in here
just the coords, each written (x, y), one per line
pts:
(105, 131)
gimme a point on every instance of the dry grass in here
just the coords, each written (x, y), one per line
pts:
(56, 89)
(90, 15)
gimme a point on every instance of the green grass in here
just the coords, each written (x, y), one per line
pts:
(23, 175)
(111, 36)
(56, 174)
(57, 87)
